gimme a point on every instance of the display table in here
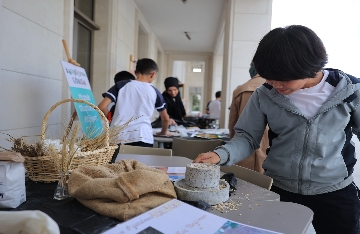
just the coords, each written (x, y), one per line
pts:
(73, 217)
(159, 140)
(255, 193)
(283, 217)
(260, 207)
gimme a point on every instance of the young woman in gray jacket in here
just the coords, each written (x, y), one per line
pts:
(312, 113)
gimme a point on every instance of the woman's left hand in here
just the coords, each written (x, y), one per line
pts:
(209, 157)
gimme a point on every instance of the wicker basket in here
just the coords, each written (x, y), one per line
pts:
(42, 168)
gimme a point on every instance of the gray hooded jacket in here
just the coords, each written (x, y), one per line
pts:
(306, 156)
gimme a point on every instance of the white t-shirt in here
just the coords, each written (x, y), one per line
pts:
(135, 99)
(309, 100)
(214, 109)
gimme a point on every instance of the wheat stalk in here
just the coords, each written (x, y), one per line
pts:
(63, 159)
(21, 146)
(85, 144)
(98, 142)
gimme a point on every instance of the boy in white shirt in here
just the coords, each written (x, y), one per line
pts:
(138, 99)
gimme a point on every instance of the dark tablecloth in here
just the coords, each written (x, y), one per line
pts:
(71, 216)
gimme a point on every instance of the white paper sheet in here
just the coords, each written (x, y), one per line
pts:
(171, 170)
(172, 217)
(179, 218)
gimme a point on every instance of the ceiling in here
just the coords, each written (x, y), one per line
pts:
(170, 19)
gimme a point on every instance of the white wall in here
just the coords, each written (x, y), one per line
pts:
(142, 46)
(218, 57)
(217, 75)
(126, 31)
(153, 47)
(160, 60)
(246, 22)
(114, 42)
(31, 77)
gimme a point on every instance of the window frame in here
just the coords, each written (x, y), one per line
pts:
(81, 18)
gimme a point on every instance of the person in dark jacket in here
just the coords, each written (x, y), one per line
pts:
(174, 104)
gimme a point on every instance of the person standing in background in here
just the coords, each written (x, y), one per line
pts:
(240, 97)
(214, 107)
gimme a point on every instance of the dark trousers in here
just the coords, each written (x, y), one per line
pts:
(138, 143)
(335, 212)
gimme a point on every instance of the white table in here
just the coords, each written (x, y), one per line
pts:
(267, 211)
(283, 217)
(160, 140)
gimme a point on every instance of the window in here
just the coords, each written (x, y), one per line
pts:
(86, 7)
(84, 27)
(197, 66)
(83, 47)
(195, 95)
(196, 102)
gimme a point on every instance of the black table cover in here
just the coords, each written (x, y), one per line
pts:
(71, 216)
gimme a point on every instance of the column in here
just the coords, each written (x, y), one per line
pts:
(246, 22)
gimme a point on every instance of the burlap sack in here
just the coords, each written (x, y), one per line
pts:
(121, 190)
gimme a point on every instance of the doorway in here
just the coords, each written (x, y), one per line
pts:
(191, 76)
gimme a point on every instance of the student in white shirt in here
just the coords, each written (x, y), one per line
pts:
(138, 99)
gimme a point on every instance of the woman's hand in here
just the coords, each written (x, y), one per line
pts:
(209, 157)
(172, 122)
(167, 133)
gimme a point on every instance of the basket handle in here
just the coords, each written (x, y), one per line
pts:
(46, 117)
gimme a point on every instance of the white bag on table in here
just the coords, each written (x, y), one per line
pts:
(12, 184)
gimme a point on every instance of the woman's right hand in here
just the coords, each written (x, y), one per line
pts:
(209, 157)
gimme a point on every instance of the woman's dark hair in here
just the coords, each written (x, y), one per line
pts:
(146, 66)
(171, 82)
(290, 53)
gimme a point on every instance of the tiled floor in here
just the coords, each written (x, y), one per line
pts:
(356, 175)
